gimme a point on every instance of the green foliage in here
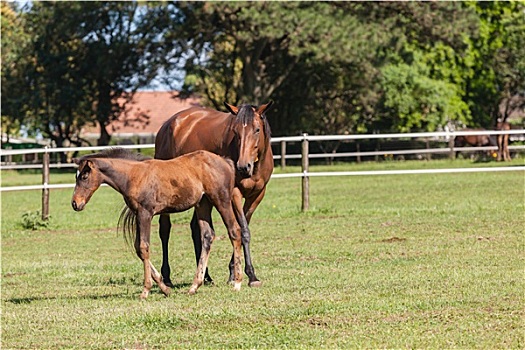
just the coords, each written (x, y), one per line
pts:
(14, 43)
(417, 101)
(32, 220)
(79, 63)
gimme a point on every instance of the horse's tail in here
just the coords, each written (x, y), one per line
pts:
(128, 222)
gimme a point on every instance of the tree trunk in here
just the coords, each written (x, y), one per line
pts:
(105, 137)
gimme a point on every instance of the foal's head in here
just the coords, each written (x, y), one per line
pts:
(90, 173)
(252, 133)
(88, 180)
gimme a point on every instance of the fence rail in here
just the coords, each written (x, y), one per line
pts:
(447, 136)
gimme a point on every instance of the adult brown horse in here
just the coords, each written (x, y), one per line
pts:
(200, 179)
(242, 135)
(474, 140)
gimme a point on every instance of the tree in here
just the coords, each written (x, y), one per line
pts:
(82, 58)
(323, 62)
(14, 47)
(497, 59)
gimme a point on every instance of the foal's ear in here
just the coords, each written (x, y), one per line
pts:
(233, 110)
(264, 108)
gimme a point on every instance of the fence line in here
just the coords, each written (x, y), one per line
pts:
(399, 172)
(443, 134)
(304, 156)
(298, 156)
(314, 174)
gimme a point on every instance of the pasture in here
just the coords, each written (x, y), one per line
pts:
(414, 261)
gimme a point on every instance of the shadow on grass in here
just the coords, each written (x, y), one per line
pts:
(19, 301)
(177, 288)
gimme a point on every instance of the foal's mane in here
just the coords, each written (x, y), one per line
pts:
(119, 153)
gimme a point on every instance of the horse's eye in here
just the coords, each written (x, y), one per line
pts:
(257, 130)
(84, 176)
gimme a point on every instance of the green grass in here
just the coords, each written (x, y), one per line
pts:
(415, 261)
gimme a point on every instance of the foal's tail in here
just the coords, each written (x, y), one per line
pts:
(128, 222)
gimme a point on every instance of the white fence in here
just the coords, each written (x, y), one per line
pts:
(446, 136)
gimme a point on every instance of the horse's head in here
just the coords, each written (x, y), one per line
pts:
(252, 134)
(88, 180)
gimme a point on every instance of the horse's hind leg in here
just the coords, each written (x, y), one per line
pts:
(197, 243)
(164, 233)
(203, 217)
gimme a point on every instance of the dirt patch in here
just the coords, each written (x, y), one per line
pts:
(393, 240)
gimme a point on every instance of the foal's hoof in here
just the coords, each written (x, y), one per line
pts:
(144, 295)
(255, 284)
(166, 291)
(192, 291)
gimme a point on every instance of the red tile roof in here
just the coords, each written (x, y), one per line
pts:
(145, 113)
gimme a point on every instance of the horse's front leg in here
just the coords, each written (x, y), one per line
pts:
(245, 238)
(500, 147)
(164, 233)
(506, 155)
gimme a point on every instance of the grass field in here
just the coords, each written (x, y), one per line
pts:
(414, 261)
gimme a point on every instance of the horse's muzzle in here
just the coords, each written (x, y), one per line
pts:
(77, 206)
(245, 170)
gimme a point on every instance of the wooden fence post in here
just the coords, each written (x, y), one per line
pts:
(283, 155)
(304, 165)
(45, 182)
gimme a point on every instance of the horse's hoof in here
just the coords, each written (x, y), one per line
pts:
(168, 283)
(255, 284)
(192, 291)
(209, 283)
(144, 295)
(237, 286)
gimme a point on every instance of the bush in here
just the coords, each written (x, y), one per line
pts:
(34, 221)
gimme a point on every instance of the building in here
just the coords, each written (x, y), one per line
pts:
(142, 117)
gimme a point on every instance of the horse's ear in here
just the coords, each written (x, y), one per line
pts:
(264, 108)
(233, 110)
(76, 161)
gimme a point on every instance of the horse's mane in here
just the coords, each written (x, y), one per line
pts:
(118, 152)
(245, 114)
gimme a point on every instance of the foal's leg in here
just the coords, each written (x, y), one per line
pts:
(203, 217)
(245, 237)
(234, 231)
(197, 243)
(164, 233)
(142, 244)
